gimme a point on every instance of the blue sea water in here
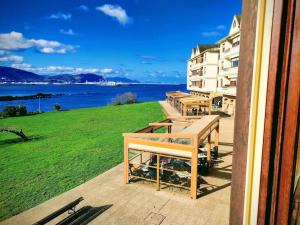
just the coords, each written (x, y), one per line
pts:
(83, 96)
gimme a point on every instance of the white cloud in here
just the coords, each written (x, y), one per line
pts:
(67, 32)
(23, 66)
(12, 58)
(210, 34)
(61, 16)
(116, 12)
(63, 69)
(2, 52)
(15, 41)
(221, 27)
(83, 8)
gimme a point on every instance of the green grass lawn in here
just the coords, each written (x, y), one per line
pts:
(68, 148)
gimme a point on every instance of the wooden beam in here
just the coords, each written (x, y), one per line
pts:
(194, 169)
(169, 124)
(158, 172)
(208, 149)
(216, 139)
(159, 135)
(181, 147)
(126, 163)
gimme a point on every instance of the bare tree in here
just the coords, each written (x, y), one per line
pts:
(16, 132)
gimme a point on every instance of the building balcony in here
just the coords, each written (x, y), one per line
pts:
(230, 72)
(196, 66)
(230, 53)
(195, 78)
(230, 90)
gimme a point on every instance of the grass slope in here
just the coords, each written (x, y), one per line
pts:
(68, 149)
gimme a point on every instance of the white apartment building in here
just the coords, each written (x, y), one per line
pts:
(229, 59)
(202, 69)
(214, 68)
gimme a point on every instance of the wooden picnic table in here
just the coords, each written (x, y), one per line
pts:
(169, 145)
(194, 102)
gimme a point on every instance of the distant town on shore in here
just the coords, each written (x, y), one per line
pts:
(9, 75)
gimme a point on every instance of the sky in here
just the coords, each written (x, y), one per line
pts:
(147, 40)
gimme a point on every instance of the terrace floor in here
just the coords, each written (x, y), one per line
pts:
(136, 204)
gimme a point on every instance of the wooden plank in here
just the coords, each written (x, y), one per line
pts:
(200, 126)
(216, 139)
(194, 170)
(158, 172)
(169, 124)
(243, 102)
(187, 148)
(126, 162)
(159, 135)
(209, 149)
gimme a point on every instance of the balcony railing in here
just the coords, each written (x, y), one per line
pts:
(230, 52)
(229, 71)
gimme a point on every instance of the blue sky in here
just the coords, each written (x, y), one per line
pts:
(147, 40)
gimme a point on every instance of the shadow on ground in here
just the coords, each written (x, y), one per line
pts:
(84, 215)
(11, 141)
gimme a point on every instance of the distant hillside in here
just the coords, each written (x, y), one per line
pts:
(60, 78)
(121, 79)
(8, 74)
(78, 78)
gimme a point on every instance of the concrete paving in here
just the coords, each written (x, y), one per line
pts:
(135, 204)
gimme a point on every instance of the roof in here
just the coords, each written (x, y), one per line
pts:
(238, 17)
(203, 47)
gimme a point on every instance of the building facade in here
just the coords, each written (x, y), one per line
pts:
(212, 70)
(229, 59)
(202, 69)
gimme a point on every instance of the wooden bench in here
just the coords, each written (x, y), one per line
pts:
(71, 206)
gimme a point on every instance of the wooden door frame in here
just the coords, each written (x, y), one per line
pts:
(242, 116)
(281, 116)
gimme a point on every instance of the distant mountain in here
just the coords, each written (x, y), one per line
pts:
(78, 78)
(60, 78)
(121, 79)
(8, 74)
(89, 77)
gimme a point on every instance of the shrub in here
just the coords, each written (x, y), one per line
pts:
(9, 111)
(57, 107)
(126, 98)
(22, 110)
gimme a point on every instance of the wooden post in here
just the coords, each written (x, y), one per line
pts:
(216, 137)
(169, 129)
(158, 172)
(141, 157)
(126, 163)
(208, 149)
(184, 110)
(209, 107)
(194, 168)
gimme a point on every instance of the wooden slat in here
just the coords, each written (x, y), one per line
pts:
(159, 135)
(161, 144)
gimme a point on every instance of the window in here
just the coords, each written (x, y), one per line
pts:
(236, 43)
(235, 62)
(234, 24)
(233, 83)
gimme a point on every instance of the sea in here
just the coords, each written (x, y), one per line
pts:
(75, 96)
